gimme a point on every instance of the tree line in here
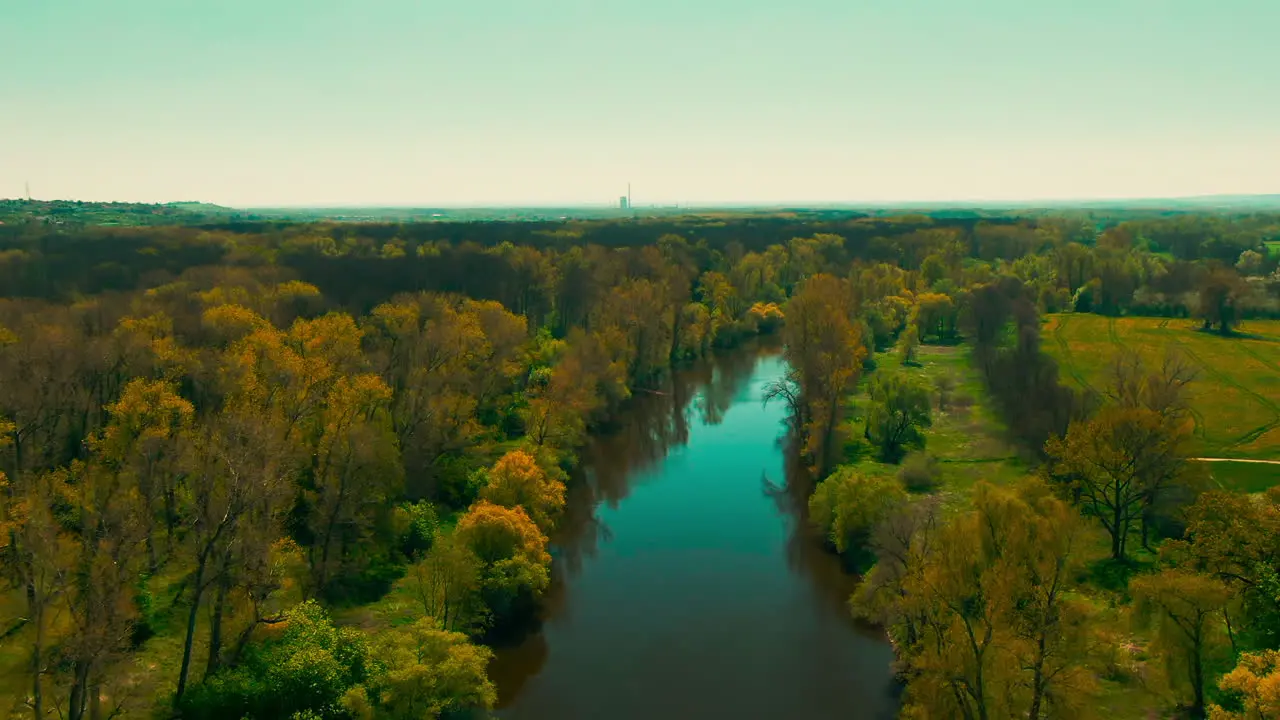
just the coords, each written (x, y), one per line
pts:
(215, 463)
(216, 438)
(1020, 600)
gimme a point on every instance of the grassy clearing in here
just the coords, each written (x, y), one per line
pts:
(1236, 398)
(1243, 477)
(966, 437)
(1273, 247)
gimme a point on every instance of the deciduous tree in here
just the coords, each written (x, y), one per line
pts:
(1117, 462)
(1186, 609)
(901, 406)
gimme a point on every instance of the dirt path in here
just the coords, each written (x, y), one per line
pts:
(1239, 460)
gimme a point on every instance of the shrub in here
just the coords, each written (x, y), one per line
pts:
(309, 668)
(920, 472)
(416, 524)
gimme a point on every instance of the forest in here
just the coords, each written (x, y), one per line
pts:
(218, 435)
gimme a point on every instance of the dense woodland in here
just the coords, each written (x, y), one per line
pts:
(213, 436)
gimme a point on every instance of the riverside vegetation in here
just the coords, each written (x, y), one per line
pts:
(220, 441)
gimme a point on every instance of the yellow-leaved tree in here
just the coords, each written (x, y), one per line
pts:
(516, 480)
(422, 671)
(1257, 681)
(515, 565)
(825, 352)
(996, 629)
(1186, 609)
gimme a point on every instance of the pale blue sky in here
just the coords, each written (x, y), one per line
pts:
(463, 102)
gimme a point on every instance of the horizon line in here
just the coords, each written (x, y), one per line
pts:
(695, 204)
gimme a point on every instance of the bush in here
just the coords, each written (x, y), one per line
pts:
(847, 506)
(920, 472)
(309, 668)
(416, 524)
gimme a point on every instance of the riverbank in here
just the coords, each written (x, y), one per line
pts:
(686, 581)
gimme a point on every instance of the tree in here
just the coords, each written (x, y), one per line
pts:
(900, 406)
(309, 666)
(847, 506)
(556, 412)
(936, 315)
(447, 364)
(909, 345)
(1163, 390)
(903, 542)
(236, 490)
(513, 556)
(516, 480)
(353, 472)
(424, 672)
(825, 354)
(447, 583)
(995, 630)
(1217, 294)
(1236, 538)
(1117, 462)
(107, 519)
(1250, 262)
(148, 422)
(1256, 679)
(35, 557)
(1186, 609)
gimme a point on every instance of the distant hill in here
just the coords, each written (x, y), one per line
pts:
(197, 213)
(75, 212)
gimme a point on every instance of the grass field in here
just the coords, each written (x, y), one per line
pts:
(967, 438)
(1235, 398)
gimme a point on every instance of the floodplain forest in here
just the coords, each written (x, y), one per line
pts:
(227, 445)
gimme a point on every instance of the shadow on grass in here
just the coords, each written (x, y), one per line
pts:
(1234, 334)
(858, 449)
(1114, 575)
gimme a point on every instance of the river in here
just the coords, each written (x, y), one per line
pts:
(686, 583)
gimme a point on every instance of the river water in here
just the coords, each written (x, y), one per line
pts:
(686, 583)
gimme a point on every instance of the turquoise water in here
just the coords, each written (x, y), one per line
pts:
(686, 581)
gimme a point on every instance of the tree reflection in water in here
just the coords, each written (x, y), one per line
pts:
(701, 585)
(653, 423)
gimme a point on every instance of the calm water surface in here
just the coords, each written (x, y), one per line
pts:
(686, 582)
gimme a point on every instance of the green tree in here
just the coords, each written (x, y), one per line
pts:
(447, 583)
(901, 405)
(424, 672)
(847, 506)
(309, 666)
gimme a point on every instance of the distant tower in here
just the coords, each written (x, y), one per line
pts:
(28, 192)
(624, 202)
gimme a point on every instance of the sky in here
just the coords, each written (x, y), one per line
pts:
(550, 102)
